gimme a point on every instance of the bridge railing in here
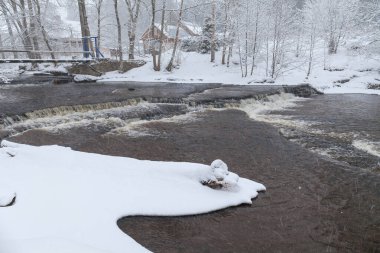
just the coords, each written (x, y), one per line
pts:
(64, 49)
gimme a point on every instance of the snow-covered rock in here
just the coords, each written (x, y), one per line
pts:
(4, 80)
(6, 195)
(85, 78)
(220, 169)
(221, 176)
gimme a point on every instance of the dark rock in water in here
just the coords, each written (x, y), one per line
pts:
(302, 90)
(22, 67)
(334, 69)
(373, 86)
(98, 68)
(213, 184)
(61, 80)
(343, 81)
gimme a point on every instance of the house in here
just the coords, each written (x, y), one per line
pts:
(186, 30)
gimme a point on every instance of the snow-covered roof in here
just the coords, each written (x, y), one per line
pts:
(170, 30)
(196, 29)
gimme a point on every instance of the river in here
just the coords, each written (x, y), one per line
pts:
(317, 156)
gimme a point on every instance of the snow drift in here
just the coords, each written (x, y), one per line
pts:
(69, 201)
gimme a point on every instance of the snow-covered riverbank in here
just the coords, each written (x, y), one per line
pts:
(344, 73)
(69, 201)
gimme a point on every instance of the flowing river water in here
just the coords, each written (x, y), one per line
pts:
(318, 156)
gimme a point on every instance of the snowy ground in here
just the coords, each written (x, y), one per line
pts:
(346, 72)
(69, 201)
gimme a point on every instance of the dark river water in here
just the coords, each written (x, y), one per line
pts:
(318, 158)
(342, 127)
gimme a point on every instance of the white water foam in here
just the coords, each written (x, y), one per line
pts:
(66, 120)
(370, 147)
(117, 118)
(260, 110)
(139, 128)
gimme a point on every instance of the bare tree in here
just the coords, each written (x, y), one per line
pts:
(171, 62)
(42, 28)
(226, 8)
(33, 31)
(133, 11)
(310, 20)
(281, 17)
(1, 46)
(213, 31)
(85, 29)
(5, 12)
(120, 48)
(23, 26)
(161, 34)
(336, 17)
(256, 34)
(98, 7)
(152, 45)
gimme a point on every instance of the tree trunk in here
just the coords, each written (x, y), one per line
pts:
(1, 46)
(99, 19)
(134, 12)
(24, 28)
(171, 62)
(275, 47)
(311, 51)
(120, 48)
(229, 55)
(226, 7)
(43, 31)
(332, 45)
(255, 40)
(84, 26)
(213, 35)
(246, 40)
(9, 27)
(33, 32)
(152, 40)
(161, 34)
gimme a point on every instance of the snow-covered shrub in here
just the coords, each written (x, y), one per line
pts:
(191, 44)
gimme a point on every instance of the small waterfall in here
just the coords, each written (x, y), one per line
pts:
(106, 116)
(121, 117)
(64, 110)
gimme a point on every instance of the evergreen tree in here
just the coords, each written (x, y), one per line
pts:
(207, 32)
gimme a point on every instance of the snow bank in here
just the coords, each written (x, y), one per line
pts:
(69, 201)
(51, 68)
(355, 71)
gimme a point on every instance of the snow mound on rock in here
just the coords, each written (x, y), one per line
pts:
(6, 195)
(85, 78)
(221, 177)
